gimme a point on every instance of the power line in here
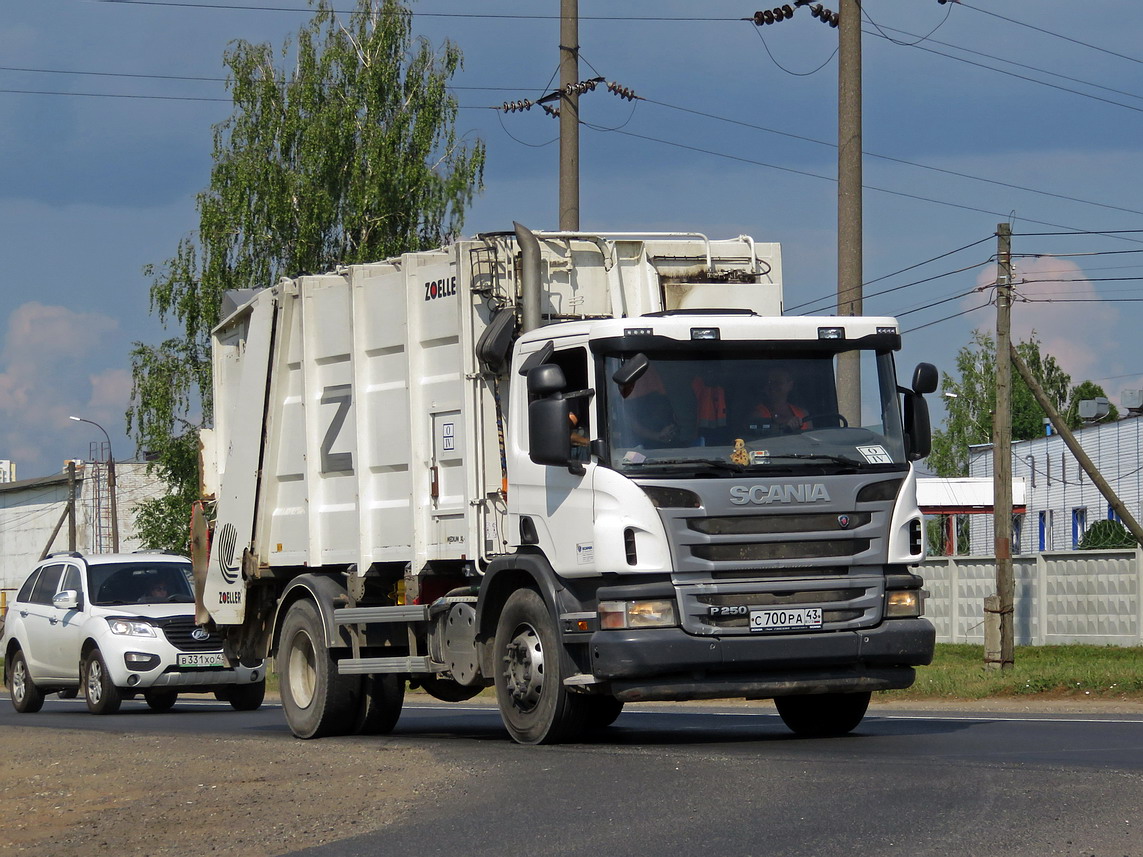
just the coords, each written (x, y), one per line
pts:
(487, 15)
(875, 188)
(895, 160)
(946, 318)
(1001, 60)
(1050, 33)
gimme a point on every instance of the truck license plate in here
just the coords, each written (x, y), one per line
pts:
(200, 659)
(785, 620)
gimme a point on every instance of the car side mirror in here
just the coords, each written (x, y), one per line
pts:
(68, 599)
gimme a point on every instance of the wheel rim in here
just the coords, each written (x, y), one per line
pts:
(524, 668)
(19, 680)
(301, 670)
(94, 681)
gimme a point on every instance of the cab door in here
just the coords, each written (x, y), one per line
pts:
(552, 506)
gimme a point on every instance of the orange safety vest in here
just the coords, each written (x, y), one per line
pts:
(710, 404)
(798, 413)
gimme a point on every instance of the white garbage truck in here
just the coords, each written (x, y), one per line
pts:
(583, 469)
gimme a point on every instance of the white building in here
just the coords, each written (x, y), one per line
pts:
(1061, 500)
(31, 509)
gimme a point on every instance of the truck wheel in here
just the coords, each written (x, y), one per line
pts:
(246, 697)
(382, 696)
(102, 696)
(26, 697)
(534, 704)
(161, 700)
(317, 700)
(601, 711)
(823, 714)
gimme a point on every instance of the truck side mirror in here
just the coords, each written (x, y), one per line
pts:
(925, 378)
(546, 380)
(549, 431)
(918, 430)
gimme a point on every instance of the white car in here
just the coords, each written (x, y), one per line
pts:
(113, 626)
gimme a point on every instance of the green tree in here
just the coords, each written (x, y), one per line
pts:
(341, 148)
(972, 399)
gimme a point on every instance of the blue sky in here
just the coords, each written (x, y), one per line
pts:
(975, 113)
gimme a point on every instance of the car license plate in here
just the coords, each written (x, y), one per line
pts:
(785, 620)
(200, 659)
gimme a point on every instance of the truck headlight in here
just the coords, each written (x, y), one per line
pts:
(653, 613)
(128, 628)
(906, 603)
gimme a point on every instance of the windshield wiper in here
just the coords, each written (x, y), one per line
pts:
(820, 456)
(720, 464)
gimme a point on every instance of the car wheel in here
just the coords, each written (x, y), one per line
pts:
(161, 700)
(246, 697)
(26, 697)
(102, 696)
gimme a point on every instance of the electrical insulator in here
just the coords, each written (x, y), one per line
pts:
(789, 10)
(833, 19)
(622, 91)
(551, 111)
(816, 10)
(779, 14)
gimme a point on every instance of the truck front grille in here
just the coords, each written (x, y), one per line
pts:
(857, 603)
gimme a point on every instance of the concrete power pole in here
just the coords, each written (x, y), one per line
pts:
(849, 204)
(1002, 454)
(569, 116)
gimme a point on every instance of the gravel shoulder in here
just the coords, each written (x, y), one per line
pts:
(78, 793)
(141, 795)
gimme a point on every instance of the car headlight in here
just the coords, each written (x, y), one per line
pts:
(652, 613)
(128, 628)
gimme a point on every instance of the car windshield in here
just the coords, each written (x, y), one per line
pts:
(140, 583)
(723, 414)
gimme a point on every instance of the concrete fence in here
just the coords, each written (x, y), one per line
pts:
(1063, 597)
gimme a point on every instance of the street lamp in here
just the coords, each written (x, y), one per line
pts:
(110, 483)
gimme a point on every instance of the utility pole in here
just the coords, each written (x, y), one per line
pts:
(1002, 452)
(569, 116)
(849, 204)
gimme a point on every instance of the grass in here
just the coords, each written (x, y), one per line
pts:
(1055, 672)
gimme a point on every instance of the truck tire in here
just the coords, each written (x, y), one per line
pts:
(534, 704)
(317, 700)
(382, 697)
(601, 711)
(823, 714)
(246, 697)
(26, 697)
(102, 696)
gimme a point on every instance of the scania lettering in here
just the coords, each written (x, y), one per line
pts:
(586, 470)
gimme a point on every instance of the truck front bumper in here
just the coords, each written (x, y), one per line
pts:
(669, 663)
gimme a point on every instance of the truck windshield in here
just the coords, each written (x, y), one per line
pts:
(716, 414)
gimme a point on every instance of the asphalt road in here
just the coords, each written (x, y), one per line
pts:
(733, 781)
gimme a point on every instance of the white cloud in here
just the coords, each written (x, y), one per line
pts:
(46, 375)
